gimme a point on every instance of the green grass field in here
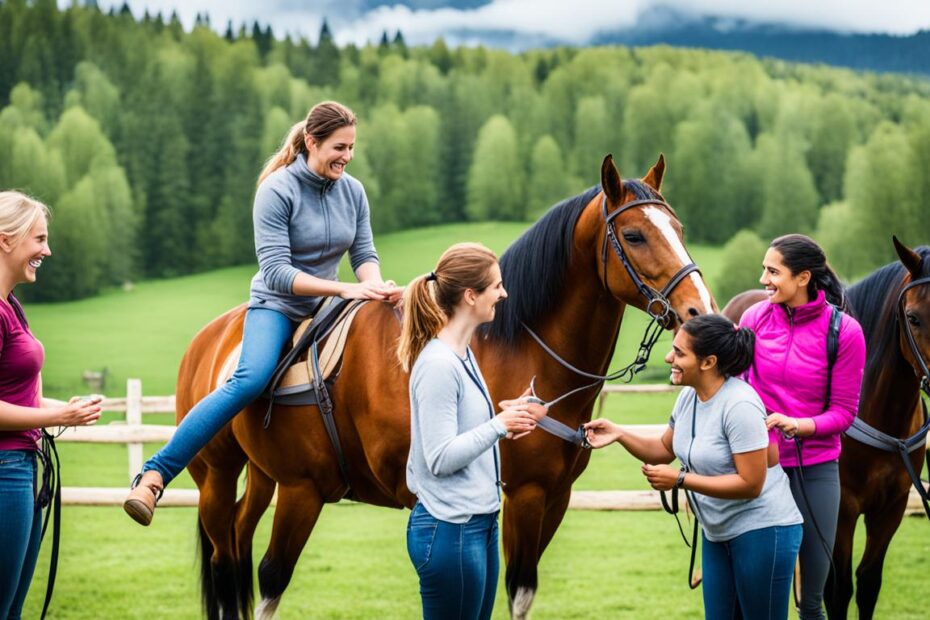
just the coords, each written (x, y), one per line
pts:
(604, 565)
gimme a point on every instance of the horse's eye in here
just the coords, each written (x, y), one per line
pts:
(634, 237)
(913, 320)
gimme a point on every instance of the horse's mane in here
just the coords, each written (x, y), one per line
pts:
(872, 302)
(534, 266)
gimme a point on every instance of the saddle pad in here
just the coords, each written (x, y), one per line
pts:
(301, 372)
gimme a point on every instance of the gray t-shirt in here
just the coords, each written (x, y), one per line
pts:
(305, 223)
(453, 465)
(731, 422)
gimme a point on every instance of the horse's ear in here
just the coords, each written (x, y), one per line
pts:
(909, 258)
(611, 182)
(653, 178)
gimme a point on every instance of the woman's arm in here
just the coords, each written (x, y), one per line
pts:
(78, 412)
(746, 483)
(652, 450)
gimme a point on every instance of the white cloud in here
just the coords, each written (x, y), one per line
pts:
(573, 21)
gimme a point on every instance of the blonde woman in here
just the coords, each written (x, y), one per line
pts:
(308, 214)
(454, 463)
(23, 247)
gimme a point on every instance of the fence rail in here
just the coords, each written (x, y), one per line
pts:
(134, 433)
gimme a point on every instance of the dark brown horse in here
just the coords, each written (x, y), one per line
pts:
(875, 482)
(570, 278)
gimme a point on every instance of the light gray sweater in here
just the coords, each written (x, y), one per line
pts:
(306, 223)
(454, 460)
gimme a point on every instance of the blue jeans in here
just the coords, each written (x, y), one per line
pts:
(20, 529)
(458, 564)
(263, 339)
(751, 572)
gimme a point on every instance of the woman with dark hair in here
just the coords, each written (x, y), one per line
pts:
(751, 528)
(454, 464)
(308, 214)
(810, 403)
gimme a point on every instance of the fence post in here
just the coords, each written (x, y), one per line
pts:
(134, 417)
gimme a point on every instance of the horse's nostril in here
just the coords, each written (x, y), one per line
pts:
(693, 312)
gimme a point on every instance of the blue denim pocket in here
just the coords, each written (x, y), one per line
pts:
(421, 534)
(11, 457)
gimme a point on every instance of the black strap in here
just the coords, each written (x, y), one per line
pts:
(468, 365)
(833, 349)
(325, 404)
(50, 496)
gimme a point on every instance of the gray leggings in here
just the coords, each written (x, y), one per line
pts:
(822, 490)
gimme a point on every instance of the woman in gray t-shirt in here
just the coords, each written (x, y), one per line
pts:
(751, 526)
(453, 466)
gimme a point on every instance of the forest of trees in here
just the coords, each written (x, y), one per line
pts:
(146, 140)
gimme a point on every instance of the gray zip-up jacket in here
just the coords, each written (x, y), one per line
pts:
(306, 223)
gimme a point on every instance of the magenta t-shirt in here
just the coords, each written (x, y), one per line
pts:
(21, 357)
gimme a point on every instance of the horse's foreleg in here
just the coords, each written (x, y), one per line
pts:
(524, 512)
(226, 591)
(295, 515)
(839, 588)
(879, 528)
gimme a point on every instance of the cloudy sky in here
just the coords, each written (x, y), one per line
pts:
(568, 21)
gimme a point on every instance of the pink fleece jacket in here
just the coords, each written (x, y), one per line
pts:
(789, 372)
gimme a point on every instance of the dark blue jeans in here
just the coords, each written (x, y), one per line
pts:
(458, 564)
(20, 529)
(264, 335)
(752, 572)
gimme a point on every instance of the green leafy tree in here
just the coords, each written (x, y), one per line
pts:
(495, 181)
(548, 181)
(742, 266)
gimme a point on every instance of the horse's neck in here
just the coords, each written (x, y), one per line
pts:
(583, 330)
(890, 398)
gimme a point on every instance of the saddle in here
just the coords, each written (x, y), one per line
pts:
(309, 368)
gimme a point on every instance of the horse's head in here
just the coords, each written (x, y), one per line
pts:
(643, 259)
(913, 309)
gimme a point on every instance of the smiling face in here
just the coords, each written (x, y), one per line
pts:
(23, 258)
(329, 158)
(782, 286)
(485, 301)
(685, 365)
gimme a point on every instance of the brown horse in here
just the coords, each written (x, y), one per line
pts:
(570, 277)
(875, 482)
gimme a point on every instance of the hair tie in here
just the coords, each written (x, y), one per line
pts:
(431, 276)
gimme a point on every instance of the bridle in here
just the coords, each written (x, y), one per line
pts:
(923, 371)
(658, 307)
(653, 297)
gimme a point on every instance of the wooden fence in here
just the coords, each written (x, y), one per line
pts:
(134, 433)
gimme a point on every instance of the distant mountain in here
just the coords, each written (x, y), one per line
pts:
(660, 24)
(874, 52)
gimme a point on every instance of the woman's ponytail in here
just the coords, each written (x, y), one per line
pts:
(423, 318)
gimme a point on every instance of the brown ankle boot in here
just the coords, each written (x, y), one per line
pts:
(146, 490)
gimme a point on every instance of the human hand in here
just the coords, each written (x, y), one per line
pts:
(517, 420)
(80, 411)
(601, 432)
(527, 402)
(787, 425)
(367, 290)
(395, 294)
(661, 477)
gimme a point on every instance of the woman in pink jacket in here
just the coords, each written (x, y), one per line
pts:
(790, 373)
